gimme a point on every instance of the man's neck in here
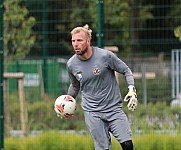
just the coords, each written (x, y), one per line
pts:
(87, 55)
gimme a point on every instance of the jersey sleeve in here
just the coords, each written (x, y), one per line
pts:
(74, 87)
(118, 65)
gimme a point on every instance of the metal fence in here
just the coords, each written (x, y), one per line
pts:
(57, 81)
(142, 28)
(142, 31)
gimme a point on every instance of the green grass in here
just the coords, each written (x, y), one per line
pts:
(52, 140)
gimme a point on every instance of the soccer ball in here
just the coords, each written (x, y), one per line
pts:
(65, 106)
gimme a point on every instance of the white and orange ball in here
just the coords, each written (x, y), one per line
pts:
(65, 106)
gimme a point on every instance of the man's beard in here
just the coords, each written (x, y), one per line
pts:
(81, 52)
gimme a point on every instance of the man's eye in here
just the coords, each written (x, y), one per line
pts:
(80, 40)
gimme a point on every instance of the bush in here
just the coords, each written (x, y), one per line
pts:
(41, 116)
(155, 116)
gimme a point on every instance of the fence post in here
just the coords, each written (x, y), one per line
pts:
(1, 78)
(45, 42)
(100, 6)
(6, 105)
(23, 116)
(22, 106)
(176, 72)
(144, 85)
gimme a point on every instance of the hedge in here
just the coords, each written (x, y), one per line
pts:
(41, 116)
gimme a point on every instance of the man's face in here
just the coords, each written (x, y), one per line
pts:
(80, 43)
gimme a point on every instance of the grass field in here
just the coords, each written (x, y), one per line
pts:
(52, 140)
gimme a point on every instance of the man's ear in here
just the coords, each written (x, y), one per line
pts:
(88, 41)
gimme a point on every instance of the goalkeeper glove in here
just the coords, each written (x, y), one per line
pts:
(131, 98)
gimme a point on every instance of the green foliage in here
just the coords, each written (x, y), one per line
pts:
(157, 142)
(117, 15)
(41, 116)
(155, 116)
(177, 32)
(53, 140)
(145, 123)
(18, 35)
(158, 89)
(158, 115)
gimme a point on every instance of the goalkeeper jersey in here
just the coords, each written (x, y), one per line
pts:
(95, 79)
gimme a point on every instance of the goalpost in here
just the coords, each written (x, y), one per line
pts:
(23, 118)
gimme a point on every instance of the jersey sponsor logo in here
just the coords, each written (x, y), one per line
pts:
(97, 71)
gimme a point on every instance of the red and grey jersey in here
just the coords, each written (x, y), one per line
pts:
(95, 79)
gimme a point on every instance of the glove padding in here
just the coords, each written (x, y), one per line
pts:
(131, 98)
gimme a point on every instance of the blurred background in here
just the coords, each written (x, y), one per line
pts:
(146, 34)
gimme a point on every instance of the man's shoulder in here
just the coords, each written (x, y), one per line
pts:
(100, 50)
(72, 59)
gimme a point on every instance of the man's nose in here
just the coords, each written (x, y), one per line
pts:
(75, 44)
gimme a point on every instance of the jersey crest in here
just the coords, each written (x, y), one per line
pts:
(97, 71)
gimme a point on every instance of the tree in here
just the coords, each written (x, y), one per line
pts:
(63, 16)
(175, 22)
(177, 32)
(122, 21)
(18, 35)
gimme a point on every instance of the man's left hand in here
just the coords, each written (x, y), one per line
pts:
(131, 98)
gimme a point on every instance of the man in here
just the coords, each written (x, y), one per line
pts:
(92, 72)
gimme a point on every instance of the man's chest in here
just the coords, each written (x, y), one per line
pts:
(87, 71)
